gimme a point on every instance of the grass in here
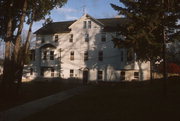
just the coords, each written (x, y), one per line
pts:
(118, 102)
(32, 91)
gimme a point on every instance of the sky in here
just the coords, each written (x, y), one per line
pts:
(73, 10)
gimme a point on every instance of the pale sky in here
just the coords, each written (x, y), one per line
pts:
(73, 10)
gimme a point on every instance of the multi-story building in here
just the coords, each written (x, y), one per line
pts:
(84, 49)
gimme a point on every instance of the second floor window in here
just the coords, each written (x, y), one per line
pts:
(32, 55)
(86, 37)
(129, 56)
(71, 38)
(72, 55)
(100, 55)
(45, 55)
(103, 37)
(51, 55)
(56, 38)
(42, 40)
(122, 56)
(86, 56)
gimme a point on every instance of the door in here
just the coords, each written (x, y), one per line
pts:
(85, 76)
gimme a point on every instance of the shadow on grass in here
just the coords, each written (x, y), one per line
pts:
(33, 90)
(136, 101)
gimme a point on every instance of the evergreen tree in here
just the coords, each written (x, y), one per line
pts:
(151, 23)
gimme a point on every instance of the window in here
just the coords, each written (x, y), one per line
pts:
(100, 55)
(123, 74)
(129, 56)
(103, 37)
(31, 71)
(42, 71)
(45, 55)
(56, 38)
(71, 73)
(89, 24)
(122, 56)
(32, 55)
(86, 56)
(100, 75)
(72, 55)
(51, 55)
(86, 37)
(52, 72)
(71, 38)
(85, 24)
(136, 75)
(42, 40)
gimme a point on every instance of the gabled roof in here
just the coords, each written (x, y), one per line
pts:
(110, 25)
(89, 17)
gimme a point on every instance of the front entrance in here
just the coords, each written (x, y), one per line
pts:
(85, 76)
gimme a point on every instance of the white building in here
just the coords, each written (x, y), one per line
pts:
(83, 49)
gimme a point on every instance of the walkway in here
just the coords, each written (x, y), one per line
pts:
(22, 111)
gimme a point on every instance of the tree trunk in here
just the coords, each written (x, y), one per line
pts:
(17, 45)
(24, 54)
(7, 80)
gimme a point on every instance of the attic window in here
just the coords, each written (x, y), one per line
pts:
(87, 25)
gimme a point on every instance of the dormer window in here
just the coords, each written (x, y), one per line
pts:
(71, 38)
(56, 38)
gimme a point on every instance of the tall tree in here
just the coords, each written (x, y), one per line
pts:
(12, 18)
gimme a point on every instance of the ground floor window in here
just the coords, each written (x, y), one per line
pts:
(123, 74)
(71, 73)
(136, 75)
(42, 71)
(100, 75)
(52, 72)
(31, 71)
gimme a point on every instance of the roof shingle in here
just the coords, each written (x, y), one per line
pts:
(110, 25)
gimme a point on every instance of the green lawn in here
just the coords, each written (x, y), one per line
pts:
(118, 102)
(34, 90)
